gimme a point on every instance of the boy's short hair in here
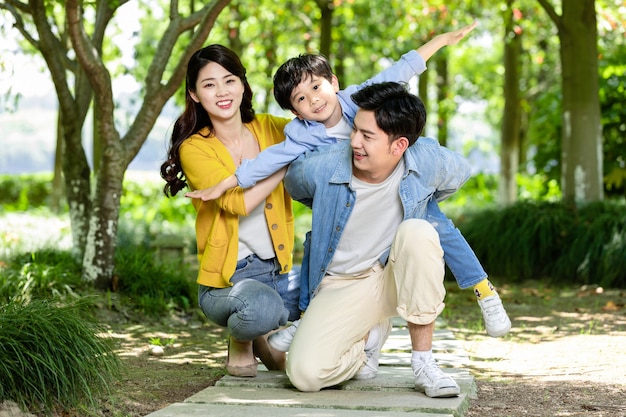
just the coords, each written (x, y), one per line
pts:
(397, 112)
(294, 71)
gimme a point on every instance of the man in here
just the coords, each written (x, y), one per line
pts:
(372, 255)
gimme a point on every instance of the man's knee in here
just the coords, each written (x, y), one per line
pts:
(301, 376)
(417, 229)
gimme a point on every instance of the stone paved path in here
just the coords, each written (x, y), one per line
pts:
(390, 394)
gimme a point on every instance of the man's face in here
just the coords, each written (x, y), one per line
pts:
(373, 157)
(315, 99)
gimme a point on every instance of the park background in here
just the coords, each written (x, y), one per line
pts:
(534, 97)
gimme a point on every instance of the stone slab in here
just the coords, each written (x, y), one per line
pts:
(389, 378)
(334, 399)
(212, 410)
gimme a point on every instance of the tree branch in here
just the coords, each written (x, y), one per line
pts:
(13, 7)
(91, 62)
(156, 93)
(551, 12)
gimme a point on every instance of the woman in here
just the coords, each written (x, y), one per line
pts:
(245, 237)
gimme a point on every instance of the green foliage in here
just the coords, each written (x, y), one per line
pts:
(154, 286)
(145, 214)
(477, 192)
(52, 357)
(555, 241)
(613, 89)
(45, 274)
(538, 187)
(24, 192)
(302, 220)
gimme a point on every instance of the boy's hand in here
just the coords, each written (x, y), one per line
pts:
(449, 38)
(455, 36)
(206, 194)
(214, 192)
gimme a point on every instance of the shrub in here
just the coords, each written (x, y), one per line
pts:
(23, 192)
(556, 241)
(43, 274)
(153, 286)
(52, 357)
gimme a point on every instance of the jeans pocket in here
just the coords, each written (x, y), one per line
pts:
(244, 264)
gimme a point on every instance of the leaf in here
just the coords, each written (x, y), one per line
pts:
(611, 306)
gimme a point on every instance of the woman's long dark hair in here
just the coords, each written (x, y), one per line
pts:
(195, 117)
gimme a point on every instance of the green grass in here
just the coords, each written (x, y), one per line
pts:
(53, 357)
(539, 311)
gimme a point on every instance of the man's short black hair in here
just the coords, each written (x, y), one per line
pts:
(397, 112)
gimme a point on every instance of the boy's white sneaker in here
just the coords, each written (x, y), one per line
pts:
(430, 379)
(281, 340)
(370, 369)
(497, 322)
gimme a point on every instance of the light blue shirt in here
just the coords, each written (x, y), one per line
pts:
(304, 135)
(321, 178)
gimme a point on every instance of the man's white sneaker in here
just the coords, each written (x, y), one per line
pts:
(432, 381)
(497, 322)
(370, 369)
(281, 340)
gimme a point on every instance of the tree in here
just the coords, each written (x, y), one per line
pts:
(94, 210)
(581, 151)
(511, 119)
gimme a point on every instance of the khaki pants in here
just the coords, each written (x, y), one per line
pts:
(328, 347)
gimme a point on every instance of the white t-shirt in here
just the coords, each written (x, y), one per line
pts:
(254, 236)
(376, 215)
(341, 130)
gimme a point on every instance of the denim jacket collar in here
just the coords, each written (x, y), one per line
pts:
(343, 171)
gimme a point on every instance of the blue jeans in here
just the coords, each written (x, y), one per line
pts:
(260, 300)
(458, 254)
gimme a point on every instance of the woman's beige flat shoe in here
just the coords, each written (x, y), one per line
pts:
(247, 371)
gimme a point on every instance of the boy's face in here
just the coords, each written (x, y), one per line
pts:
(373, 157)
(315, 99)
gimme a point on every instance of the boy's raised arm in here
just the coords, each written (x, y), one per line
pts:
(449, 38)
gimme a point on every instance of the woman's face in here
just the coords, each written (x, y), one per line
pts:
(219, 91)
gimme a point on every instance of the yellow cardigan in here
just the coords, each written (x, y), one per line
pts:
(205, 162)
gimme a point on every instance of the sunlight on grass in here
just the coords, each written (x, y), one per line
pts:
(28, 232)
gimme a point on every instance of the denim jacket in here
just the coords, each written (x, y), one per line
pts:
(305, 135)
(321, 179)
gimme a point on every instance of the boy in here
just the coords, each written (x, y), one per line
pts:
(306, 86)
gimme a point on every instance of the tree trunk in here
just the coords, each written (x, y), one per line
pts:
(581, 148)
(422, 90)
(326, 26)
(57, 177)
(582, 129)
(511, 119)
(76, 173)
(96, 152)
(443, 97)
(98, 262)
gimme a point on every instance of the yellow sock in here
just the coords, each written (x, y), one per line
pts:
(484, 289)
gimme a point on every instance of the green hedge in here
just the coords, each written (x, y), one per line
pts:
(556, 241)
